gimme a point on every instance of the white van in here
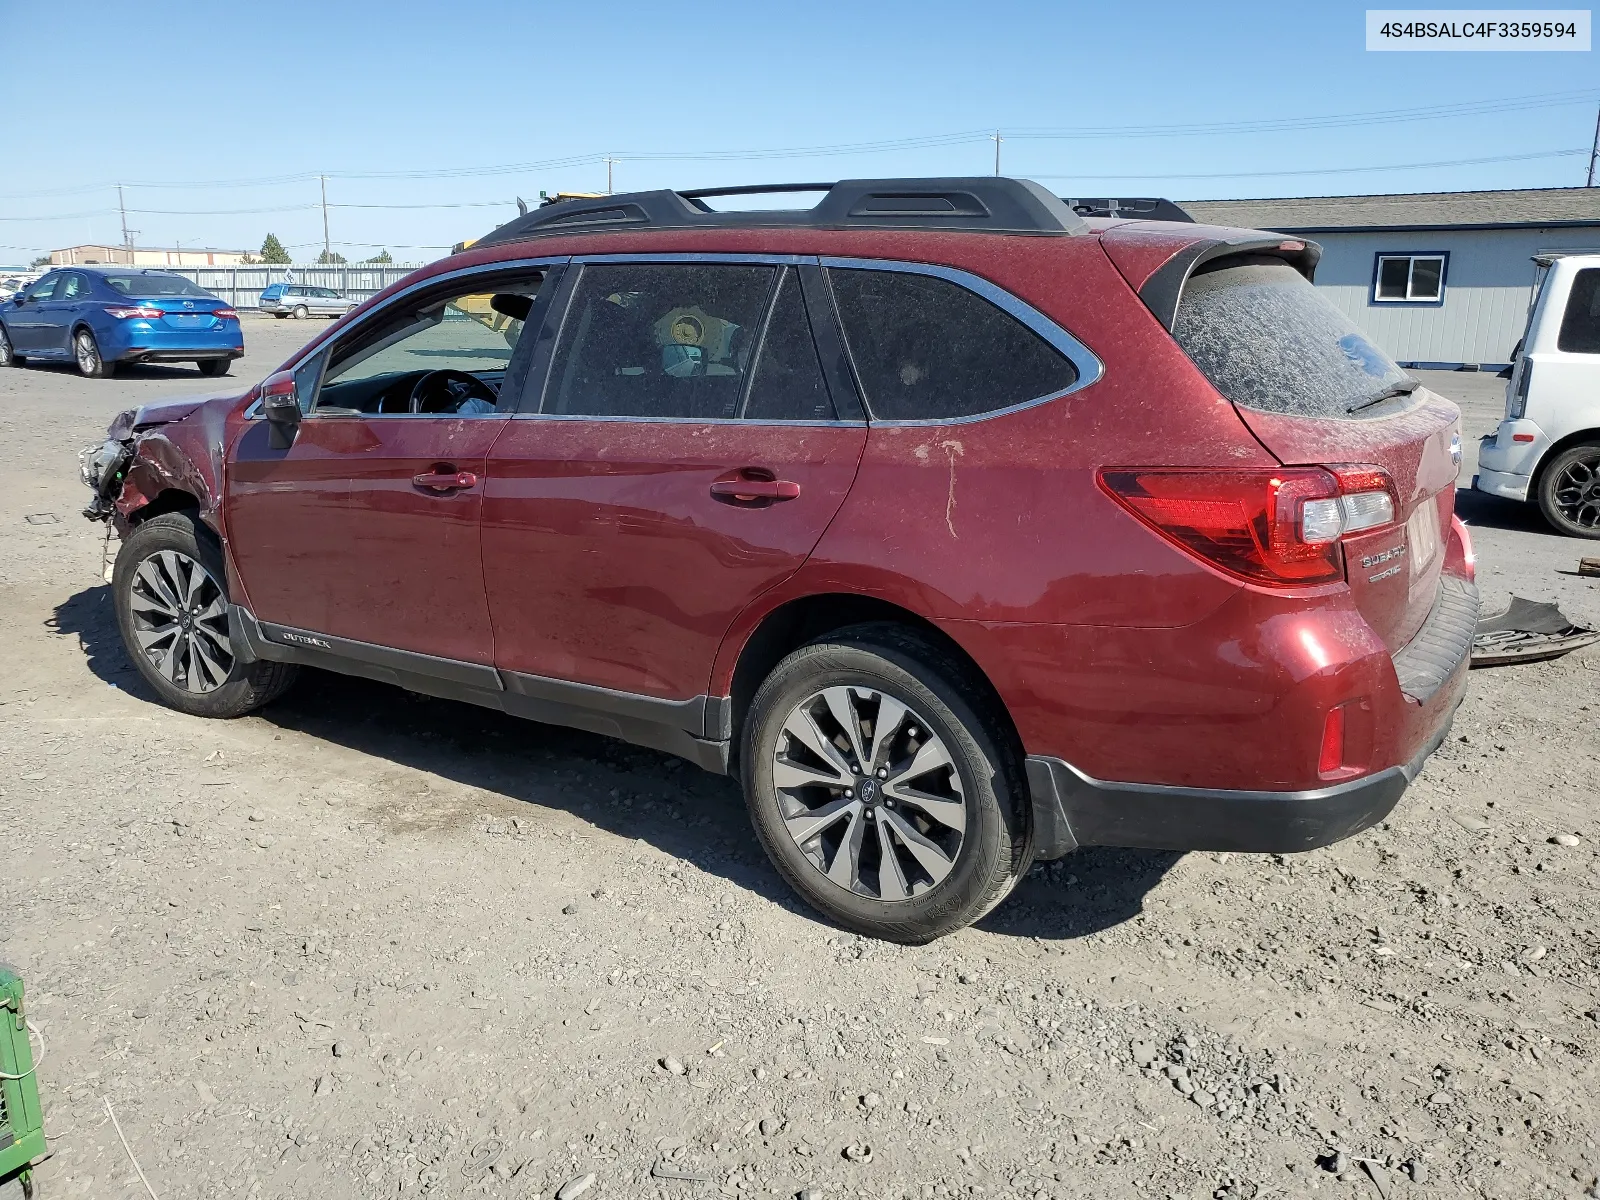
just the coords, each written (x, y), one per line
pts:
(1547, 448)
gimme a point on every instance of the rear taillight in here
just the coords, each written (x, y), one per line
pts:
(225, 314)
(1519, 394)
(1279, 528)
(126, 314)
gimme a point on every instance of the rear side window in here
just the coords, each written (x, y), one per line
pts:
(1267, 340)
(927, 349)
(1580, 326)
(659, 340)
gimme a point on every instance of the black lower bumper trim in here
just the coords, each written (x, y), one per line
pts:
(1070, 810)
(152, 356)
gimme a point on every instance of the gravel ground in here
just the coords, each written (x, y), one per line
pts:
(367, 944)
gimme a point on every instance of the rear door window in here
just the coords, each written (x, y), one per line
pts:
(928, 349)
(1580, 325)
(659, 340)
(1267, 340)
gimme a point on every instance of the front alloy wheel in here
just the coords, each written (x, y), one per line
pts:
(882, 815)
(8, 356)
(180, 619)
(169, 587)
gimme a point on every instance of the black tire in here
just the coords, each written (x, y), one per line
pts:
(1569, 491)
(301, 312)
(245, 686)
(996, 845)
(8, 356)
(212, 368)
(86, 351)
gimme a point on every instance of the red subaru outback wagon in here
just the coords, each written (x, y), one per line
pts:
(961, 528)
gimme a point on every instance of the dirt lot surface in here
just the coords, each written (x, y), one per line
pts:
(365, 944)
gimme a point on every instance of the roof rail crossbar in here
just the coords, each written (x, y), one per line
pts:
(979, 204)
(756, 190)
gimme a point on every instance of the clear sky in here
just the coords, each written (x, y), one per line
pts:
(403, 103)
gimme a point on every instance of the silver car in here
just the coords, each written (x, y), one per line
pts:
(301, 300)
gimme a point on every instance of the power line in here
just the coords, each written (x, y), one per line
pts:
(928, 141)
(1455, 162)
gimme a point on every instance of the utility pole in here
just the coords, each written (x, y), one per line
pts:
(1594, 150)
(127, 243)
(609, 163)
(996, 139)
(327, 255)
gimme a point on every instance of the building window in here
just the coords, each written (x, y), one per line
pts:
(1409, 278)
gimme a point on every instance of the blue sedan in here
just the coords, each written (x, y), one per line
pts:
(100, 317)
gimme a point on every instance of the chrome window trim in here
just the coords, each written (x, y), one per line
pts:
(253, 413)
(1084, 360)
(742, 422)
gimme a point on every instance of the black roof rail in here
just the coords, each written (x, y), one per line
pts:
(1132, 208)
(983, 203)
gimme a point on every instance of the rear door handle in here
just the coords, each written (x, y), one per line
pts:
(753, 486)
(442, 481)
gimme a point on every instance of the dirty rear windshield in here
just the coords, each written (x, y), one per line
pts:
(142, 286)
(1266, 339)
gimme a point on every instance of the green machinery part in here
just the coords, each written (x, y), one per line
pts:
(21, 1119)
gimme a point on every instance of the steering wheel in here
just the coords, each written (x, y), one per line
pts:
(446, 391)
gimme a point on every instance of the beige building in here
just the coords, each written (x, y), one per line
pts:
(148, 256)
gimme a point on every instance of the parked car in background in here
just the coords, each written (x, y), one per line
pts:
(959, 528)
(102, 316)
(301, 300)
(1547, 449)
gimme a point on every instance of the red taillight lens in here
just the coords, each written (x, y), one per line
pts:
(124, 314)
(1281, 528)
(225, 314)
(1244, 522)
(1331, 757)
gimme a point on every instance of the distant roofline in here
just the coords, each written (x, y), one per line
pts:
(1494, 208)
(1378, 195)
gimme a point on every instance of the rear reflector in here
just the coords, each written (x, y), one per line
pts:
(1279, 528)
(124, 314)
(1522, 437)
(1332, 756)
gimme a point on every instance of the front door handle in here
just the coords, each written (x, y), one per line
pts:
(754, 487)
(445, 481)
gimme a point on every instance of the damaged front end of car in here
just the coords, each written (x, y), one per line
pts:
(104, 469)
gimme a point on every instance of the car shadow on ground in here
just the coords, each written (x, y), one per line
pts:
(131, 371)
(1493, 512)
(629, 791)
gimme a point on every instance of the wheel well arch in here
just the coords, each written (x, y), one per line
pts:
(793, 624)
(168, 500)
(1557, 447)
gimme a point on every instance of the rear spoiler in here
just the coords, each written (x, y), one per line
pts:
(1162, 291)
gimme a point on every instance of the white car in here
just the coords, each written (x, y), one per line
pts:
(1547, 449)
(302, 300)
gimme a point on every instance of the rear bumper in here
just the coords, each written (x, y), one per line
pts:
(1504, 484)
(1070, 810)
(179, 354)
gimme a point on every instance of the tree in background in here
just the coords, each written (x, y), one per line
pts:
(381, 256)
(331, 258)
(42, 261)
(272, 250)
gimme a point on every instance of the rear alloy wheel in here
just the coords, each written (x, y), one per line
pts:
(301, 312)
(879, 791)
(8, 356)
(172, 611)
(87, 353)
(1569, 491)
(211, 368)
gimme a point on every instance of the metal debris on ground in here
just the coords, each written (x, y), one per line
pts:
(1527, 631)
